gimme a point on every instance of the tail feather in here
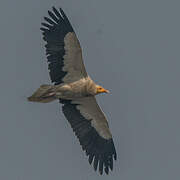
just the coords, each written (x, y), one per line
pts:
(44, 94)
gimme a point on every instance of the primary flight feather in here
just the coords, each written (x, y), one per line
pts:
(75, 90)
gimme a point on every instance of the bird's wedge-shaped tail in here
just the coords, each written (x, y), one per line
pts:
(44, 94)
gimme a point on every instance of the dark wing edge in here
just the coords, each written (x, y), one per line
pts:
(54, 29)
(99, 150)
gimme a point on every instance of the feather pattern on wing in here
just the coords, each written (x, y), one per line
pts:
(63, 49)
(91, 128)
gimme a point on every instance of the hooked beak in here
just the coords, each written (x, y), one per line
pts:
(106, 91)
(102, 90)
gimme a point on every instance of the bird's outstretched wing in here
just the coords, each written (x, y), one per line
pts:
(91, 128)
(63, 49)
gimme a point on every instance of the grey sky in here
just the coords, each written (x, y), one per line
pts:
(130, 47)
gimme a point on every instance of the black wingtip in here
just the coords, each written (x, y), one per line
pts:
(115, 156)
(111, 163)
(91, 159)
(56, 12)
(53, 16)
(63, 14)
(66, 19)
(106, 170)
(61, 10)
(95, 162)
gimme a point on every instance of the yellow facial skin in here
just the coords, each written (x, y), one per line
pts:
(101, 90)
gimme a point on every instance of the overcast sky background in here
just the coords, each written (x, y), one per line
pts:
(130, 47)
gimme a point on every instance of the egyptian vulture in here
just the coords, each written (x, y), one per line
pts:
(75, 90)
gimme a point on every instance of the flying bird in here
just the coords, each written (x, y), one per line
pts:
(75, 90)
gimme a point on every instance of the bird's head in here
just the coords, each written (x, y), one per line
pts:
(100, 89)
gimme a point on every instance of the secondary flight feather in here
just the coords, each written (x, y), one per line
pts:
(75, 90)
